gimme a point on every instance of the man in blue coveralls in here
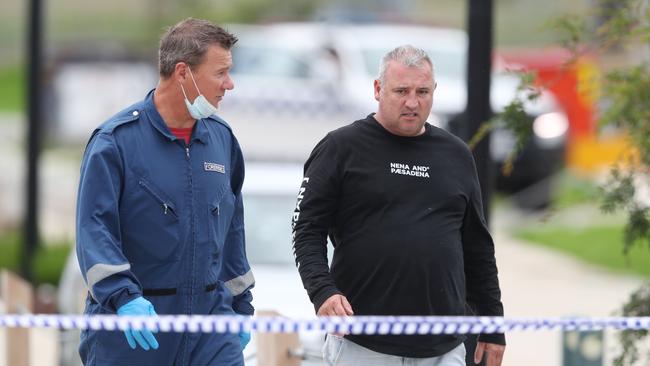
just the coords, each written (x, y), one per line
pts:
(159, 218)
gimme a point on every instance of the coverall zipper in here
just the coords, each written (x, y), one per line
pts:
(167, 206)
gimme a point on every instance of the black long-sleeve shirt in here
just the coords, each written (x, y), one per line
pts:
(404, 215)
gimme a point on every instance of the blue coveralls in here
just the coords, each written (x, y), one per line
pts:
(163, 220)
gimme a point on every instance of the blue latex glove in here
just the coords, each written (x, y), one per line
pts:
(244, 338)
(139, 307)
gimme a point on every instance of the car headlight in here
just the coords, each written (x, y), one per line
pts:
(550, 128)
(550, 125)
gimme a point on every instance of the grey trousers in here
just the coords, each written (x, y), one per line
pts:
(338, 351)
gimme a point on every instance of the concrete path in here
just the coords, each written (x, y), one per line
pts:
(538, 282)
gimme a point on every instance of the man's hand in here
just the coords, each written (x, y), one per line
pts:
(336, 305)
(244, 338)
(494, 353)
(144, 337)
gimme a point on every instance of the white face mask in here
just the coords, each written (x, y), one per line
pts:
(201, 108)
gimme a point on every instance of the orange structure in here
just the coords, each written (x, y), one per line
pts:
(575, 83)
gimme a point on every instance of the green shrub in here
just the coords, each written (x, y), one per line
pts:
(48, 261)
(12, 89)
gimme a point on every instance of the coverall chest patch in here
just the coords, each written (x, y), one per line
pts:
(214, 167)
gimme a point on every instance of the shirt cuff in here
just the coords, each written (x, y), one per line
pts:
(323, 295)
(495, 338)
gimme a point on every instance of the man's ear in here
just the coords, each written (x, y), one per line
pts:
(377, 87)
(181, 72)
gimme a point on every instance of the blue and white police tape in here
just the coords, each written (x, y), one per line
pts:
(408, 325)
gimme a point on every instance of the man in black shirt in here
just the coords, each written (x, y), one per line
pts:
(400, 201)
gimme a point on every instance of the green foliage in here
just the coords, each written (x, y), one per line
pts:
(624, 20)
(618, 192)
(637, 305)
(623, 25)
(10, 250)
(48, 262)
(572, 29)
(12, 90)
(628, 93)
(637, 227)
(620, 25)
(514, 119)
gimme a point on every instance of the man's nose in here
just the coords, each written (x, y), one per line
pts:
(411, 100)
(228, 84)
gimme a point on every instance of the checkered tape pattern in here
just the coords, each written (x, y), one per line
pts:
(395, 325)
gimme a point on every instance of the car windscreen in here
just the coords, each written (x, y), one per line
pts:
(447, 63)
(267, 221)
(269, 62)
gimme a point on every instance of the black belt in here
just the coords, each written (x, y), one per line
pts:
(165, 291)
(172, 291)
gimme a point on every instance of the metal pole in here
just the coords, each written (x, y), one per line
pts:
(479, 66)
(33, 141)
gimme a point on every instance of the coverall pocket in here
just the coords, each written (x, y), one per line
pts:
(151, 232)
(220, 216)
(113, 346)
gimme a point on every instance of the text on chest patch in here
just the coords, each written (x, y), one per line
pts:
(214, 167)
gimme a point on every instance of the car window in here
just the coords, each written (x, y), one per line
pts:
(447, 63)
(269, 62)
(268, 228)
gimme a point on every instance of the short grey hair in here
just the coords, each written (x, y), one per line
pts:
(188, 41)
(408, 55)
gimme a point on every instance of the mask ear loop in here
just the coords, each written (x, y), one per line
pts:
(194, 81)
(183, 90)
